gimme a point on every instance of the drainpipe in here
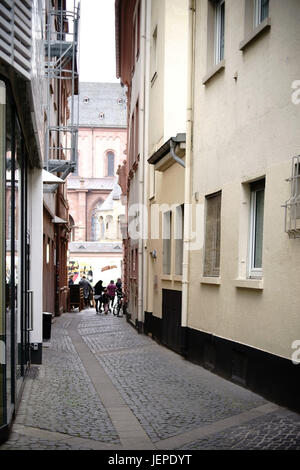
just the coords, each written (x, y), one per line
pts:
(188, 173)
(173, 154)
(146, 165)
(141, 266)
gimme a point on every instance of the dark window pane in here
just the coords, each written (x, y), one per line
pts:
(110, 164)
(259, 224)
(264, 10)
(222, 30)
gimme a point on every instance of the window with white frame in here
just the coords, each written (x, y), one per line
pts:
(219, 30)
(257, 190)
(167, 235)
(212, 235)
(261, 11)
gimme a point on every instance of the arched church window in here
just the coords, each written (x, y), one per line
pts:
(110, 164)
(97, 224)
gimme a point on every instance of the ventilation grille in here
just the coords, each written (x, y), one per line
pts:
(16, 34)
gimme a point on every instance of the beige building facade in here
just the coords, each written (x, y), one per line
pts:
(243, 278)
(221, 250)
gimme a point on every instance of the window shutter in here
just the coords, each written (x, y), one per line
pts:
(212, 236)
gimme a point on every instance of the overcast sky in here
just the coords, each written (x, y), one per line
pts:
(97, 41)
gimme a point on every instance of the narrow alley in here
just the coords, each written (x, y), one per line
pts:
(103, 386)
(150, 164)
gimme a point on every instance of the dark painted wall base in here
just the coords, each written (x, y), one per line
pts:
(36, 355)
(4, 433)
(273, 377)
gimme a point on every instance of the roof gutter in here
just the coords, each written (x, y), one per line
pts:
(169, 147)
(173, 153)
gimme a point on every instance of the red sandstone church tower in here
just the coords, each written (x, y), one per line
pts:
(96, 209)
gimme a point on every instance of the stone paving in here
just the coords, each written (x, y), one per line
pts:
(133, 386)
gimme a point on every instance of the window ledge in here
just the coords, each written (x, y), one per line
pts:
(167, 277)
(260, 29)
(249, 283)
(210, 280)
(177, 277)
(214, 71)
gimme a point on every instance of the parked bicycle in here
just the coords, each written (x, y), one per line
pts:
(118, 307)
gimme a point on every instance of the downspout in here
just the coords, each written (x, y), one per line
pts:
(173, 153)
(188, 173)
(146, 127)
(141, 172)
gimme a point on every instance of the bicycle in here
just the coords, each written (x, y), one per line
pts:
(118, 308)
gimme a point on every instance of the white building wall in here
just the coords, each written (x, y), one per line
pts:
(35, 211)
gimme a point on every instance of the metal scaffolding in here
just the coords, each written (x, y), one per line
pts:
(61, 70)
(292, 206)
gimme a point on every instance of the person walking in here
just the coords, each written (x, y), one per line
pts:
(119, 284)
(111, 290)
(99, 288)
(84, 283)
(105, 300)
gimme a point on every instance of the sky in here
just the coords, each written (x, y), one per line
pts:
(97, 61)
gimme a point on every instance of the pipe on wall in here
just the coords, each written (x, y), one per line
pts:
(188, 161)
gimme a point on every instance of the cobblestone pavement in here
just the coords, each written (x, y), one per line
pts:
(104, 386)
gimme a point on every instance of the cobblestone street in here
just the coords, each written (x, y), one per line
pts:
(104, 386)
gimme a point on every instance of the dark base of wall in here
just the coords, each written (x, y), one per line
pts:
(36, 354)
(273, 377)
(138, 325)
(4, 433)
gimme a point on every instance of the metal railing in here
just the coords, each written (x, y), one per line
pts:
(61, 70)
(292, 205)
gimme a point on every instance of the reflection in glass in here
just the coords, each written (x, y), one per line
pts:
(17, 252)
(2, 258)
(9, 227)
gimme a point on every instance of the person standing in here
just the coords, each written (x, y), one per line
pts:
(111, 290)
(84, 283)
(119, 284)
(98, 295)
(105, 300)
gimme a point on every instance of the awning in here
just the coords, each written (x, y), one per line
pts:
(58, 220)
(50, 178)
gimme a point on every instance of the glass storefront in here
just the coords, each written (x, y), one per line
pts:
(3, 418)
(14, 335)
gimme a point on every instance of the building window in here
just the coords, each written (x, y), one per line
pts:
(154, 55)
(167, 235)
(257, 190)
(136, 132)
(261, 11)
(138, 30)
(212, 236)
(179, 239)
(131, 142)
(219, 30)
(110, 164)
